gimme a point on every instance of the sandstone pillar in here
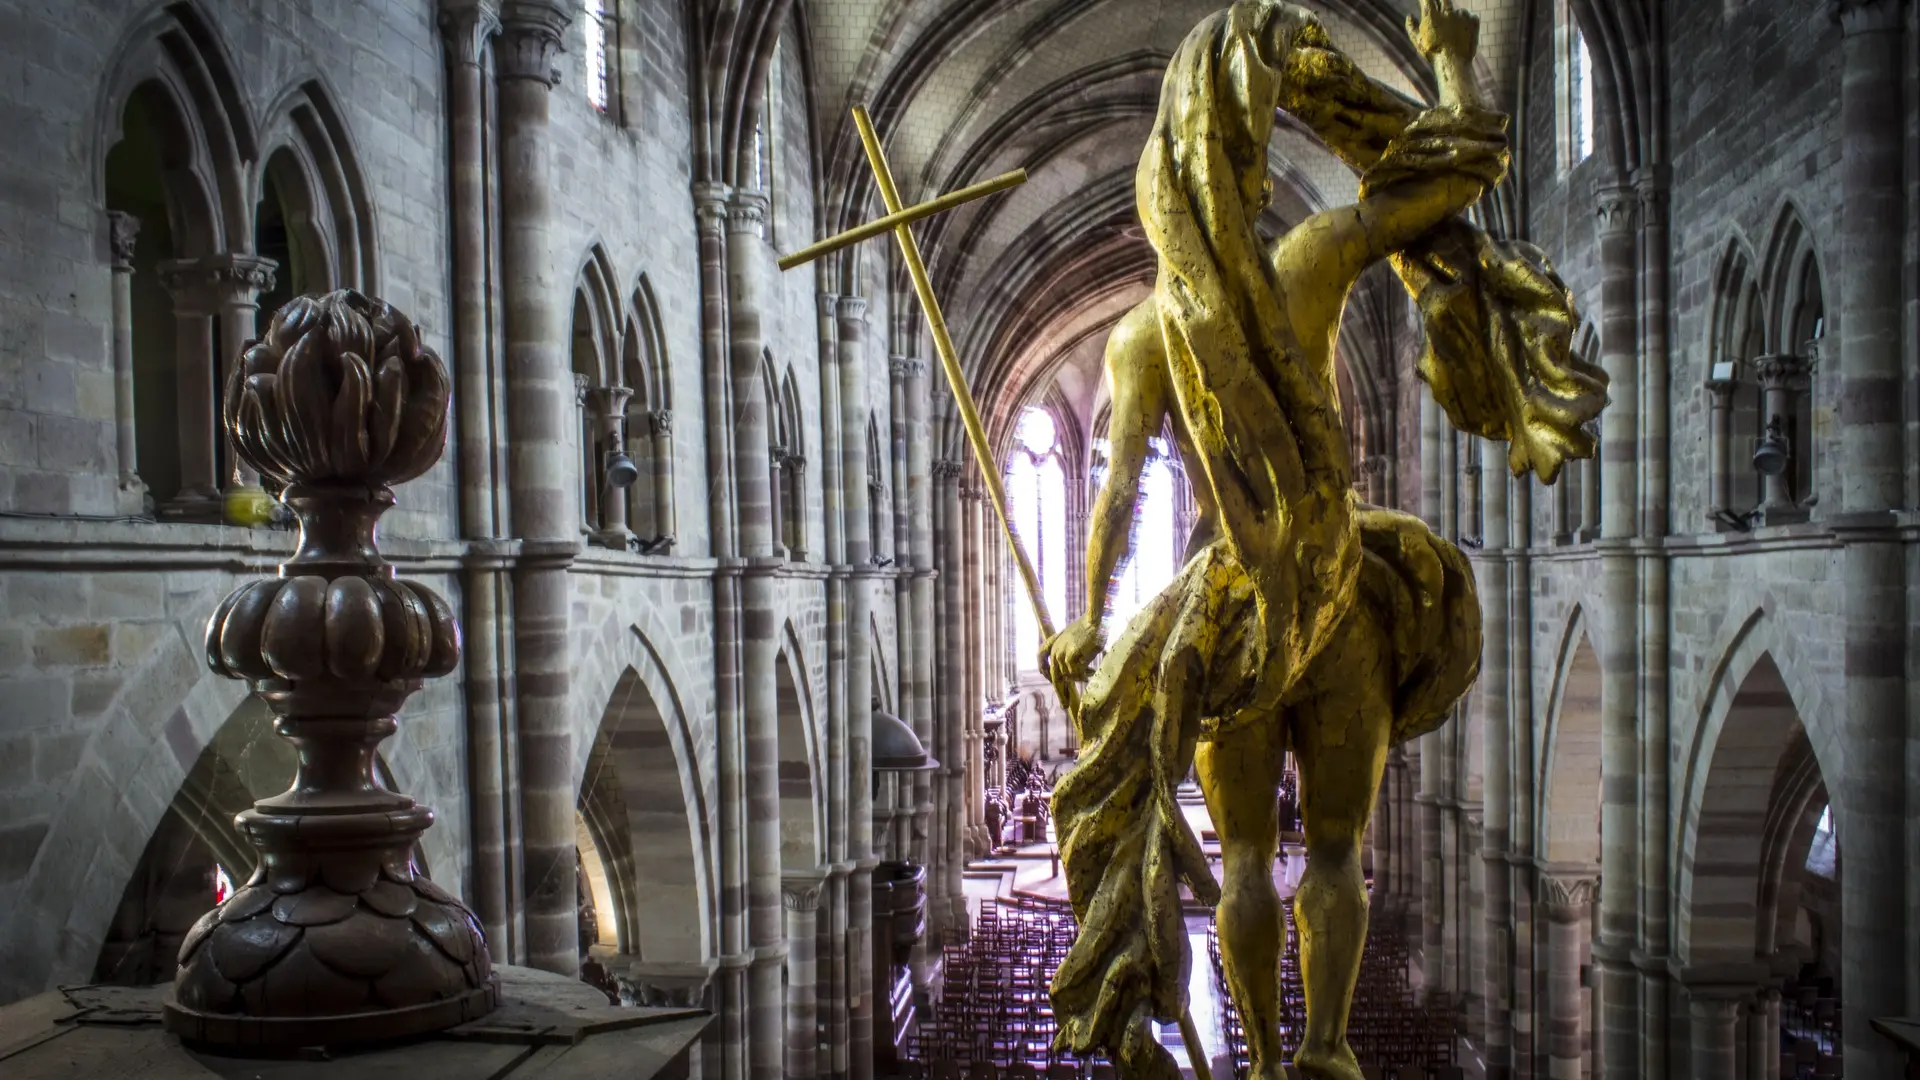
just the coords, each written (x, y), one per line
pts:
(1720, 462)
(666, 522)
(1433, 747)
(467, 27)
(850, 1023)
(1490, 565)
(194, 365)
(759, 543)
(953, 692)
(609, 408)
(122, 229)
(800, 897)
(540, 479)
(1869, 808)
(1567, 899)
(1714, 1052)
(919, 452)
(1619, 643)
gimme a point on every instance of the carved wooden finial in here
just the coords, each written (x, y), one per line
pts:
(337, 937)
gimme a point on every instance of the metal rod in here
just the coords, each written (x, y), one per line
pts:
(911, 214)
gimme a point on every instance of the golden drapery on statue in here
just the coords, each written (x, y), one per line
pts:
(1302, 618)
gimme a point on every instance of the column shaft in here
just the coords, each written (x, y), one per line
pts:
(850, 1021)
(540, 479)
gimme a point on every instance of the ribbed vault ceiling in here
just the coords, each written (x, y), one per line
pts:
(965, 89)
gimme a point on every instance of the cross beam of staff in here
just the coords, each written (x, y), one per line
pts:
(897, 220)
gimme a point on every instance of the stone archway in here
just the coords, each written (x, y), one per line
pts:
(802, 785)
(1753, 804)
(1568, 843)
(636, 804)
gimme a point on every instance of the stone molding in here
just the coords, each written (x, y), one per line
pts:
(1616, 207)
(466, 25)
(122, 229)
(1567, 897)
(201, 285)
(530, 33)
(1781, 371)
(801, 892)
(747, 213)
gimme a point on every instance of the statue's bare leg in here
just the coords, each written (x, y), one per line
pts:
(1240, 775)
(1340, 741)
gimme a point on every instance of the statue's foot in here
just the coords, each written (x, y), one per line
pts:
(1327, 1063)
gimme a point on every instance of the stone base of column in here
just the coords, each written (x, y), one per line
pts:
(132, 498)
(202, 505)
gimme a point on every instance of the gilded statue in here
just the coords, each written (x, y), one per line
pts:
(1302, 620)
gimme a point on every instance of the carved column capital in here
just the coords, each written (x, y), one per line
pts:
(747, 213)
(1654, 197)
(853, 308)
(530, 32)
(946, 471)
(906, 367)
(1616, 206)
(214, 280)
(710, 207)
(1780, 371)
(609, 401)
(581, 384)
(1721, 390)
(1868, 16)
(1567, 897)
(800, 893)
(466, 25)
(662, 421)
(122, 229)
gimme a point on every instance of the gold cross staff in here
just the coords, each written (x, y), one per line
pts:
(897, 221)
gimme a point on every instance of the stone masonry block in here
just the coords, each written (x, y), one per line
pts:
(73, 646)
(34, 701)
(16, 438)
(65, 444)
(48, 597)
(128, 596)
(19, 843)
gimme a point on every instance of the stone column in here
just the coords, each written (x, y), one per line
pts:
(609, 404)
(466, 27)
(776, 503)
(539, 415)
(1433, 747)
(1712, 1014)
(850, 1024)
(1762, 1026)
(1496, 770)
(759, 543)
(1567, 899)
(800, 896)
(921, 590)
(1869, 808)
(727, 1043)
(1720, 448)
(122, 228)
(1782, 378)
(1619, 642)
(953, 690)
(238, 281)
(660, 425)
(1589, 500)
(199, 496)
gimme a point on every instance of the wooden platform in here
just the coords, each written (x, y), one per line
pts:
(547, 1027)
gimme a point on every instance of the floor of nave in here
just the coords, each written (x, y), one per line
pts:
(1033, 870)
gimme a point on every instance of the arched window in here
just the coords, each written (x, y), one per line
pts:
(1155, 549)
(1037, 487)
(598, 26)
(1576, 89)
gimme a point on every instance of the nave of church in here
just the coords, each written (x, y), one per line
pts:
(737, 704)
